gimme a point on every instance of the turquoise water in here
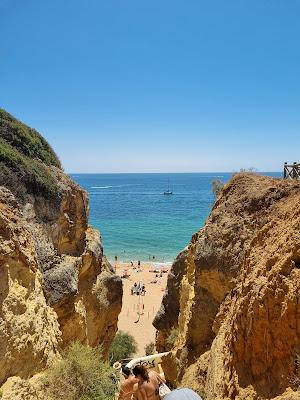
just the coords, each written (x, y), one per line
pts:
(137, 221)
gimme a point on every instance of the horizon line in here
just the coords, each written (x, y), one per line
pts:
(174, 172)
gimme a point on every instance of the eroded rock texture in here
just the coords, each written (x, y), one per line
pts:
(29, 331)
(233, 296)
(56, 285)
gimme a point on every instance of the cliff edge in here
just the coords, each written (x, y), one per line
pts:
(56, 285)
(232, 300)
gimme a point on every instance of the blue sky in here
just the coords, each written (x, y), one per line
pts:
(149, 86)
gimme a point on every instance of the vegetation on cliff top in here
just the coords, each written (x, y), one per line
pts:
(26, 140)
(24, 159)
(81, 375)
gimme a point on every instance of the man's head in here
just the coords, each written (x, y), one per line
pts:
(126, 371)
(141, 373)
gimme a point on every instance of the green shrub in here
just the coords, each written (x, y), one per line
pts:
(150, 348)
(173, 335)
(81, 375)
(26, 140)
(24, 160)
(123, 346)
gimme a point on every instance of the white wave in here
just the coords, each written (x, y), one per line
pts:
(102, 187)
(113, 186)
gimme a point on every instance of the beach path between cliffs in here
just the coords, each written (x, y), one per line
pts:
(143, 331)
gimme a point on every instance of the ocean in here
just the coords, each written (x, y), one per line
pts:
(138, 222)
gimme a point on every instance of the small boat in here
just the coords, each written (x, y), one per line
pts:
(168, 192)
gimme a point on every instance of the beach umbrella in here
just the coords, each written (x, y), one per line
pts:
(183, 394)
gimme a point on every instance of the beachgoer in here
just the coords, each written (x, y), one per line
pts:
(155, 378)
(126, 389)
(131, 263)
(139, 263)
(134, 288)
(138, 288)
(147, 386)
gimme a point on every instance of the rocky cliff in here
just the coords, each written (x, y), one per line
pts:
(232, 300)
(56, 285)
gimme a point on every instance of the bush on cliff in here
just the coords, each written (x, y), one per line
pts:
(81, 375)
(26, 140)
(150, 349)
(24, 159)
(123, 346)
(173, 336)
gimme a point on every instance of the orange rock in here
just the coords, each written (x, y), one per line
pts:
(234, 295)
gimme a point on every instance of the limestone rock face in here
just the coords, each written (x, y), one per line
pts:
(29, 331)
(233, 296)
(23, 389)
(56, 284)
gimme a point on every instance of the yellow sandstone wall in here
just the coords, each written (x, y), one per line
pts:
(233, 295)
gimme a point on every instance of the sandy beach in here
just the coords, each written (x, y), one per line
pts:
(143, 331)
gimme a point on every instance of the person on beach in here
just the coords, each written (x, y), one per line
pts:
(147, 387)
(143, 292)
(134, 289)
(126, 389)
(138, 288)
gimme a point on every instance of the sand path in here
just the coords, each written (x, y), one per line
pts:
(143, 331)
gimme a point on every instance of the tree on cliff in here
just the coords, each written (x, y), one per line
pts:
(122, 347)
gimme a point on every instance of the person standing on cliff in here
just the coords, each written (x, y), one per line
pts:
(126, 389)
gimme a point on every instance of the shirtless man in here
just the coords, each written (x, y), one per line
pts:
(148, 384)
(126, 389)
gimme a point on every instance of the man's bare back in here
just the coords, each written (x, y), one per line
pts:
(148, 390)
(145, 391)
(126, 390)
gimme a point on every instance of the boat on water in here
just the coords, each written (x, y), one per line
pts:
(168, 192)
